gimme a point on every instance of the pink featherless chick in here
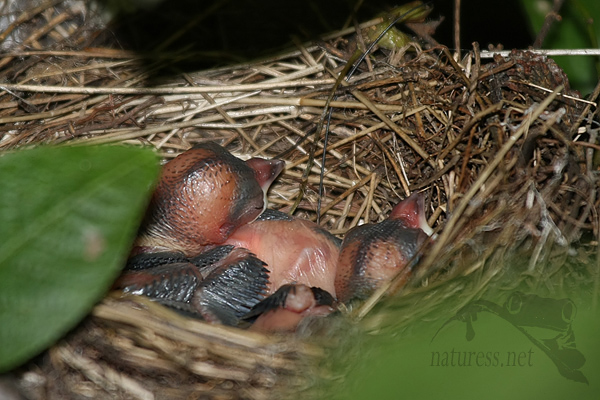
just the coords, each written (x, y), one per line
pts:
(296, 251)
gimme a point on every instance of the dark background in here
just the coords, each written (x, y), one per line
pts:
(227, 31)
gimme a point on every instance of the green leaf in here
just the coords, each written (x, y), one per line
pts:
(576, 30)
(67, 220)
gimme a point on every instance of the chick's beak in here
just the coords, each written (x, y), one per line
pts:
(411, 211)
(265, 172)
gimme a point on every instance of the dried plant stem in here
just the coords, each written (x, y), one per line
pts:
(442, 240)
(225, 115)
(26, 15)
(551, 17)
(69, 71)
(457, 28)
(305, 102)
(351, 190)
(358, 135)
(545, 52)
(397, 169)
(166, 90)
(198, 122)
(103, 375)
(414, 145)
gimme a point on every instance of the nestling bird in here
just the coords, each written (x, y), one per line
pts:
(288, 306)
(219, 285)
(295, 250)
(207, 248)
(202, 196)
(298, 253)
(372, 254)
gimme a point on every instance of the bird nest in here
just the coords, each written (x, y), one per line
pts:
(504, 151)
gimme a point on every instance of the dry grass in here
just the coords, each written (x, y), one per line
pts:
(506, 153)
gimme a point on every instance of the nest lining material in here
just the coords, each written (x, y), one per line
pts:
(505, 152)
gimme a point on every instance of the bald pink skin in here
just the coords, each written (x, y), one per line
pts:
(295, 251)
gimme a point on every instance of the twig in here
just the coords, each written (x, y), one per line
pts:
(104, 376)
(414, 145)
(198, 122)
(341, 197)
(226, 116)
(566, 96)
(167, 90)
(543, 52)
(26, 15)
(448, 230)
(457, 27)
(548, 21)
